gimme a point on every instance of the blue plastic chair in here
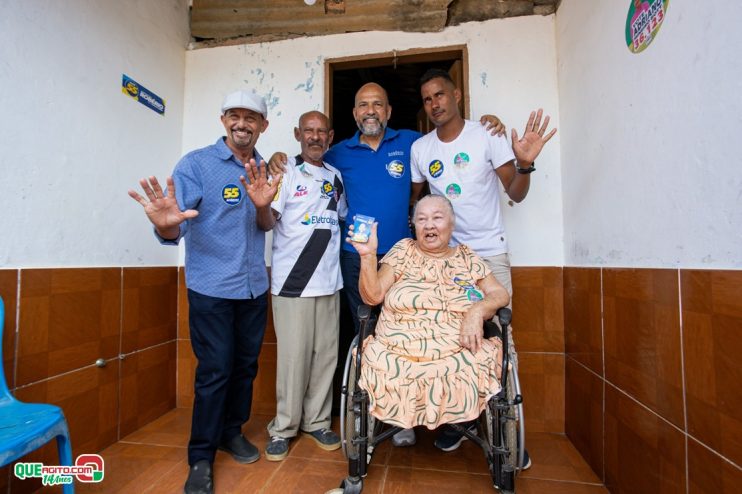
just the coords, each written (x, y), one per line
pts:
(25, 427)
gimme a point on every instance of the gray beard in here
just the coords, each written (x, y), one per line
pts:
(371, 131)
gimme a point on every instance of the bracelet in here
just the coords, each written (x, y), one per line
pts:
(526, 171)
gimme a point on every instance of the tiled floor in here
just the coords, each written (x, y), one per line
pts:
(153, 460)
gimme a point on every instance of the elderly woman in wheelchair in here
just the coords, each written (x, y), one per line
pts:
(429, 362)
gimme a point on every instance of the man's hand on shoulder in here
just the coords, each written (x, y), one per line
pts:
(277, 163)
(493, 124)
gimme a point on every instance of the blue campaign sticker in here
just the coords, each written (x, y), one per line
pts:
(137, 92)
(435, 168)
(395, 168)
(463, 283)
(231, 194)
(327, 190)
(472, 294)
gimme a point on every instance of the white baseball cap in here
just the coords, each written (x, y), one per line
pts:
(248, 101)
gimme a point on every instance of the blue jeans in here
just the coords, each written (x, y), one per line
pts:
(226, 336)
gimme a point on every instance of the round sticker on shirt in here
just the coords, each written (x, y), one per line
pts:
(435, 168)
(395, 168)
(231, 194)
(453, 191)
(474, 295)
(461, 160)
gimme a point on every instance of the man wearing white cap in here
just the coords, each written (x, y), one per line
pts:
(225, 274)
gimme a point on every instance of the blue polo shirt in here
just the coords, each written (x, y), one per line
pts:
(377, 183)
(224, 247)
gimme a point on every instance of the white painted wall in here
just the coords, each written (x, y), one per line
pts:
(650, 157)
(512, 66)
(71, 143)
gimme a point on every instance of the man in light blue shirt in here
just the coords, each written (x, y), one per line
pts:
(227, 281)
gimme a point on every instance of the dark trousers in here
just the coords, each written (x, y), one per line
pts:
(350, 265)
(226, 336)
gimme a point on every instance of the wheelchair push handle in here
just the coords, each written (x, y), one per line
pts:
(504, 315)
(364, 311)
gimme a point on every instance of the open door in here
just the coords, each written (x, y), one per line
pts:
(399, 73)
(424, 125)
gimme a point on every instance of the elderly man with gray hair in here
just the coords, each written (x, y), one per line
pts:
(225, 274)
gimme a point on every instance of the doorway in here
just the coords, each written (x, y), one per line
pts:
(397, 72)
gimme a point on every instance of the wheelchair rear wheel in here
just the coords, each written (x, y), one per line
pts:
(504, 433)
(348, 415)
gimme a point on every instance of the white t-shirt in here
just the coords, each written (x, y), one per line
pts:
(306, 238)
(464, 171)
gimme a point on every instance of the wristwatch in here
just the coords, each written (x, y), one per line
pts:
(526, 171)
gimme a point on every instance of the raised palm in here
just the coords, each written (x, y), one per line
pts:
(528, 147)
(259, 189)
(162, 209)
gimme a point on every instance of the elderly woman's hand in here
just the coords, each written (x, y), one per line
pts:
(364, 248)
(471, 331)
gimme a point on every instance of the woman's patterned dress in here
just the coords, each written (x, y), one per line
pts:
(414, 369)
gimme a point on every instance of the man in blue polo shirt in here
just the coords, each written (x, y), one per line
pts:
(225, 274)
(375, 165)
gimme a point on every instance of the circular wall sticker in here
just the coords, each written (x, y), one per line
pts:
(643, 22)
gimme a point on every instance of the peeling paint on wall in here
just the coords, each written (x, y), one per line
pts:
(270, 100)
(308, 85)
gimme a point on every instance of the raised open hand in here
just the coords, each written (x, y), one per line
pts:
(259, 189)
(528, 147)
(162, 209)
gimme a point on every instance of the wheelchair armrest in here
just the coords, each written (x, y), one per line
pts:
(492, 330)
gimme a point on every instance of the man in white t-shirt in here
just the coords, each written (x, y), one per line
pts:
(305, 284)
(462, 161)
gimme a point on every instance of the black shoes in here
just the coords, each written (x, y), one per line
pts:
(242, 450)
(200, 479)
(449, 439)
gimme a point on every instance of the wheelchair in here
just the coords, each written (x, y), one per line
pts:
(500, 427)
